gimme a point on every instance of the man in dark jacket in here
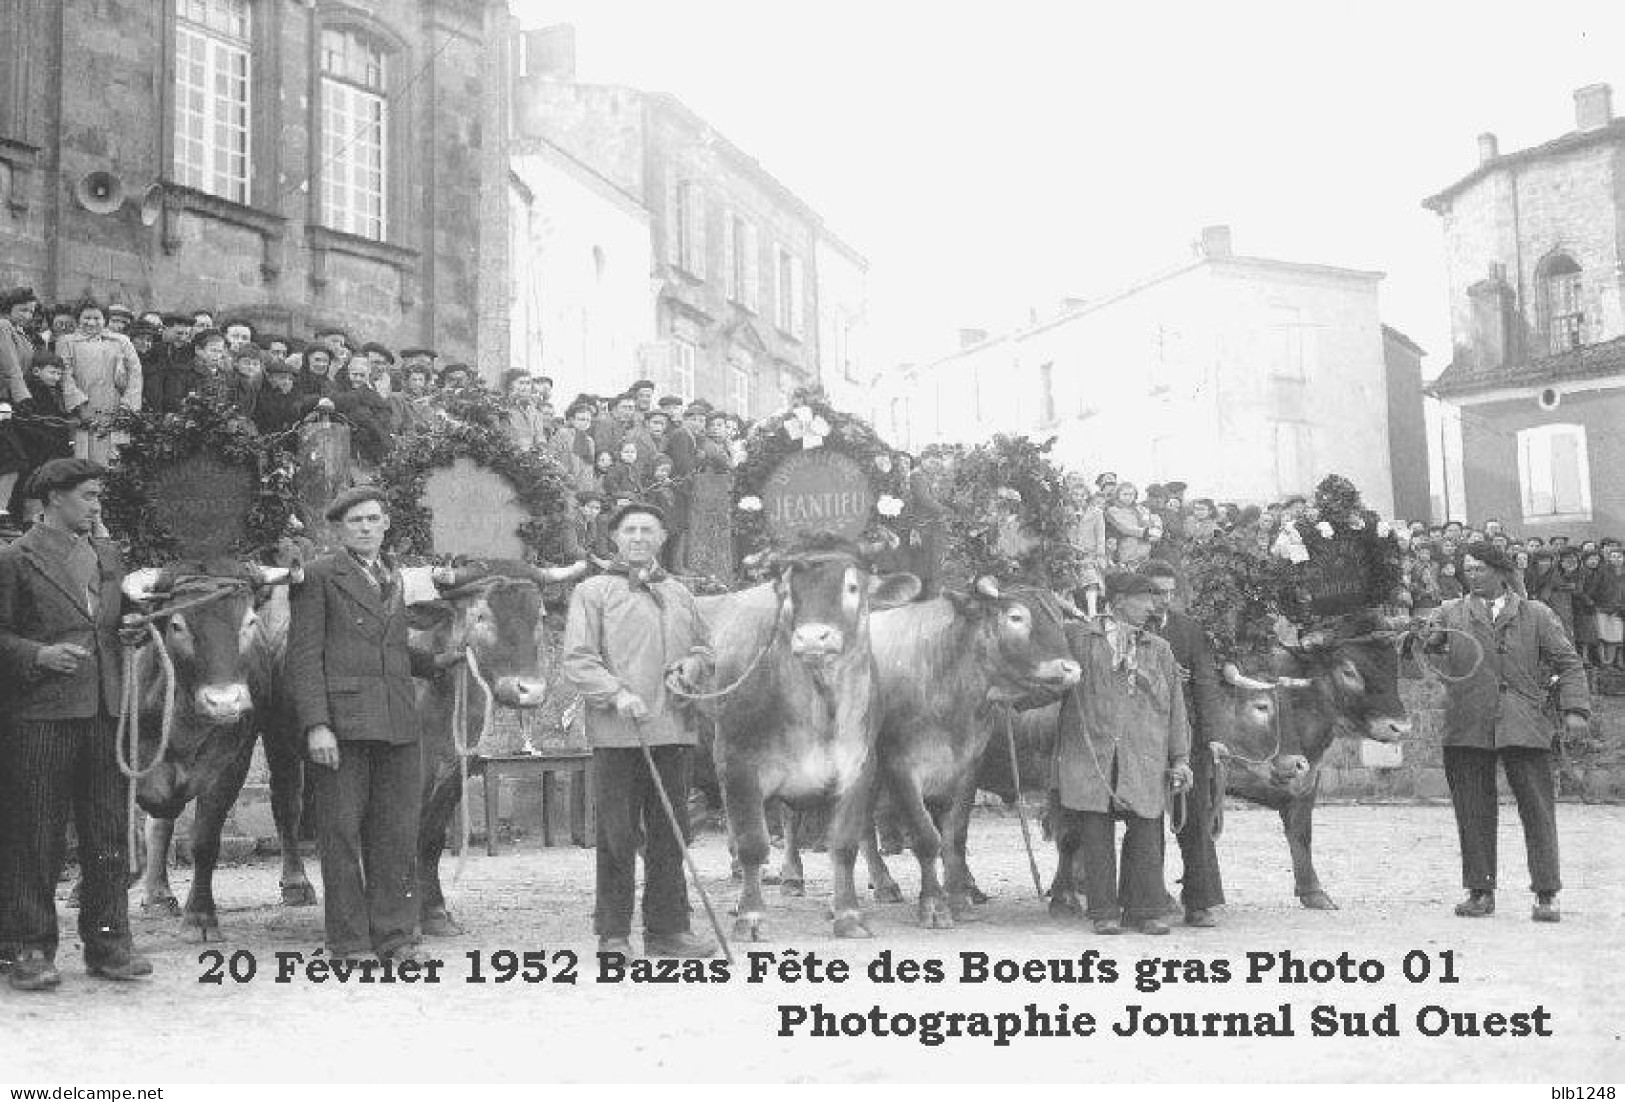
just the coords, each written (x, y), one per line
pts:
(1201, 887)
(1501, 648)
(350, 672)
(59, 660)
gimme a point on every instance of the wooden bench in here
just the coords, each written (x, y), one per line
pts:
(548, 765)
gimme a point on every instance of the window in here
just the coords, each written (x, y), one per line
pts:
(1292, 344)
(1563, 303)
(355, 133)
(900, 427)
(789, 311)
(1294, 457)
(213, 78)
(741, 248)
(739, 389)
(682, 369)
(688, 226)
(1046, 394)
(1554, 473)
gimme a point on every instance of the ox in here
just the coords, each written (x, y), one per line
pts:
(493, 611)
(798, 719)
(227, 659)
(1341, 680)
(946, 666)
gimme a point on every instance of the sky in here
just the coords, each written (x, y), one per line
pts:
(991, 159)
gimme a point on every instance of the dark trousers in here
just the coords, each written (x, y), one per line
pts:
(1470, 773)
(630, 815)
(49, 769)
(1201, 886)
(367, 814)
(1134, 894)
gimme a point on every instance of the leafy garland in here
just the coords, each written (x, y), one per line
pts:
(473, 431)
(205, 424)
(1341, 515)
(809, 422)
(1009, 514)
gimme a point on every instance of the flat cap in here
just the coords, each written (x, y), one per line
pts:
(632, 508)
(63, 474)
(641, 384)
(1492, 556)
(17, 296)
(349, 499)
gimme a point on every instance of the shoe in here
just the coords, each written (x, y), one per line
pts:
(128, 965)
(441, 924)
(616, 946)
(1201, 917)
(1155, 926)
(34, 971)
(1107, 926)
(1546, 911)
(678, 945)
(1477, 905)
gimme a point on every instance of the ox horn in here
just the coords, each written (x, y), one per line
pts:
(143, 585)
(988, 586)
(273, 575)
(1293, 682)
(1234, 676)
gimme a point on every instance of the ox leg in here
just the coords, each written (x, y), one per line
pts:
(973, 891)
(747, 823)
(1063, 890)
(156, 895)
(927, 840)
(850, 826)
(1297, 818)
(792, 879)
(443, 791)
(213, 804)
(287, 808)
(885, 888)
(955, 831)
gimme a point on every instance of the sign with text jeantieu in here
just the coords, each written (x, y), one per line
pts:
(820, 490)
(203, 502)
(1335, 576)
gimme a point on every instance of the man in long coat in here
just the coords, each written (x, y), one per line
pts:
(1123, 736)
(1495, 688)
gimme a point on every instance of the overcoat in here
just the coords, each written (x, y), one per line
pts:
(349, 666)
(41, 605)
(1499, 703)
(1128, 709)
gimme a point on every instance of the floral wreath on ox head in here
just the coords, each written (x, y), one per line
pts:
(809, 423)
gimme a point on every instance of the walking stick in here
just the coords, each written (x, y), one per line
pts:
(1021, 815)
(682, 840)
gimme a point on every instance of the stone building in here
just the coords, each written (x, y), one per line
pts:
(1247, 378)
(1535, 249)
(298, 162)
(734, 267)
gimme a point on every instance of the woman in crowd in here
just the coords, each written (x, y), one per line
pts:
(104, 366)
(1133, 525)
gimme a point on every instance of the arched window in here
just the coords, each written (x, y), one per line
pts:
(1562, 298)
(355, 132)
(214, 57)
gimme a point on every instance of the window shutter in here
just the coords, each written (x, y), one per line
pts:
(696, 222)
(674, 221)
(779, 289)
(730, 269)
(753, 269)
(798, 302)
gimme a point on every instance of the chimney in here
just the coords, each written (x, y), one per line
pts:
(1489, 148)
(550, 53)
(1593, 107)
(969, 338)
(1216, 243)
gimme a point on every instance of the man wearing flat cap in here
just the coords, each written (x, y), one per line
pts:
(350, 672)
(60, 657)
(627, 627)
(1123, 739)
(643, 396)
(1501, 651)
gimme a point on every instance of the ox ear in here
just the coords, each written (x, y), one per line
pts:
(987, 586)
(892, 590)
(428, 615)
(1348, 676)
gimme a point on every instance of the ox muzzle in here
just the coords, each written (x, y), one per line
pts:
(817, 642)
(520, 692)
(222, 704)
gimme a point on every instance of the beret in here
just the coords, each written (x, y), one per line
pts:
(276, 365)
(633, 507)
(177, 319)
(63, 474)
(1175, 489)
(1128, 585)
(670, 401)
(352, 497)
(16, 297)
(203, 336)
(641, 384)
(373, 346)
(419, 354)
(1105, 477)
(120, 310)
(1491, 556)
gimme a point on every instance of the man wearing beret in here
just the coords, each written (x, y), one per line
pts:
(1494, 693)
(60, 662)
(350, 672)
(1123, 738)
(627, 627)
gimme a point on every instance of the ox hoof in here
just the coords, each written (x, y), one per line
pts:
(1317, 901)
(748, 928)
(164, 905)
(1066, 906)
(440, 924)
(771, 878)
(797, 888)
(298, 895)
(935, 914)
(977, 895)
(963, 908)
(201, 927)
(888, 893)
(851, 926)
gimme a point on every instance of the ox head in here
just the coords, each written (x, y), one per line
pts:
(1019, 640)
(1356, 661)
(209, 631)
(826, 590)
(496, 611)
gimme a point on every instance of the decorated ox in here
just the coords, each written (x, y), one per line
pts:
(800, 708)
(948, 667)
(493, 612)
(226, 655)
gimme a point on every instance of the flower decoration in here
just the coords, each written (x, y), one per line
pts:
(889, 506)
(883, 463)
(1325, 529)
(1008, 493)
(1007, 509)
(1384, 530)
(806, 426)
(750, 503)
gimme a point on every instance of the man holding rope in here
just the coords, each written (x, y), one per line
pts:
(626, 628)
(60, 600)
